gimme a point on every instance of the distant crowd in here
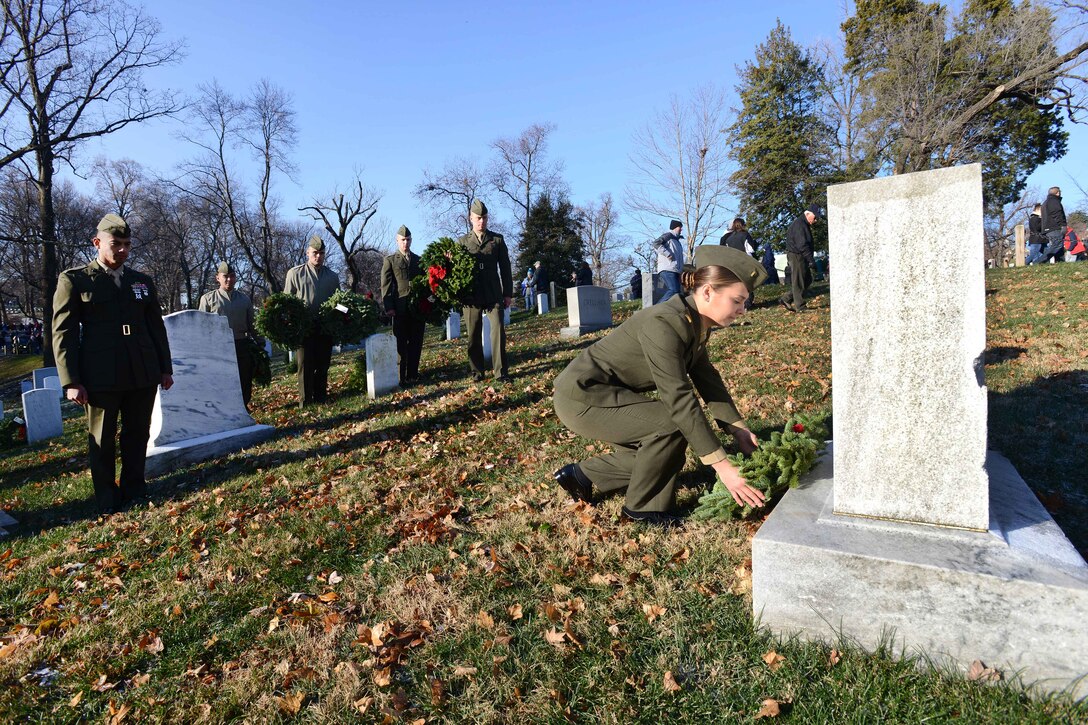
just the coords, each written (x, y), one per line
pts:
(21, 339)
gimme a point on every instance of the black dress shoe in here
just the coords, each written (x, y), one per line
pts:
(504, 378)
(572, 483)
(478, 377)
(653, 518)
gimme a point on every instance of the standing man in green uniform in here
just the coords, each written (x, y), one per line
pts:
(398, 269)
(313, 283)
(492, 289)
(238, 309)
(112, 355)
(601, 395)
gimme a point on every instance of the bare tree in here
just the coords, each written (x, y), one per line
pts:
(842, 109)
(447, 194)
(681, 167)
(73, 71)
(346, 220)
(264, 124)
(598, 221)
(119, 183)
(521, 173)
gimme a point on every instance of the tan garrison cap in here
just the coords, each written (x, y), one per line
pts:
(317, 243)
(747, 269)
(404, 231)
(478, 208)
(225, 268)
(115, 226)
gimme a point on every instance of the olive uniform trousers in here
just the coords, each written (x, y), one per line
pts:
(474, 328)
(135, 408)
(245, 368)
(648, 449)
(314, 358)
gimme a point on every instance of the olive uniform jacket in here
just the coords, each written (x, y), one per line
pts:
(664, 348)
(491, 278)
(312, 285)
(398, 272)
(105, 337)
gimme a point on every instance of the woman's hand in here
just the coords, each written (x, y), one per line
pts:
(742, 493)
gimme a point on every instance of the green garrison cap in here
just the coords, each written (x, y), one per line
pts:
(404, 231)
(114, 225)
(747, 269)
(478, 208)
(225, 268)
(317, 243)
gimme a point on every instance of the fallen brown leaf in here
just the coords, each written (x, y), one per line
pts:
(670, 683)
(770, 708)
(834, 658)
(290, 703)
(652, 611)
(979, 672)
(773, 660)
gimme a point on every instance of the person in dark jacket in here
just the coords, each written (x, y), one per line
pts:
(492, 290)
(1053, 226)
(799, 253)
(636, 284)
(398, 271)
(540, 279)
(1036, 238)
(768, 265)
(738, 237)
(584, 276)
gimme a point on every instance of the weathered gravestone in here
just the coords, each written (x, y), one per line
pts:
(53, 383)
(25, 385)
(485, 336)
(588, 310)
(41, 411)
(382, 365)
(909, 533)
(453, 326)
(541, 303)
(653, 288)
(202, 416)
(41, 374)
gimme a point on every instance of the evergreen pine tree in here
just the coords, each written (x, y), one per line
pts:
(551, 236)
(778, 137)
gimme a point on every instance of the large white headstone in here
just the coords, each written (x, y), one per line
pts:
(588, 309)
(202, 416)
(908, 534)
(453, 326)
(41, 411)
(41, 374)
(382, 365)
(541, 303)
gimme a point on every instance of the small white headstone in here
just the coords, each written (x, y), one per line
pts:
(25, 385)
(588, 310)
(541, 303)
(268, 348)
(53, 383)
(486, 335)
(41, 374)
(506, 316)
(382, 365)
(453, 326)
(41, 410)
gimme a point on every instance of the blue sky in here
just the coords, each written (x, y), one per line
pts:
(397, 87)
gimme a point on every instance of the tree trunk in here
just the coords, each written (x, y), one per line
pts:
(50, 272)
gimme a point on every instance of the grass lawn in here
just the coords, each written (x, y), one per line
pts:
(409, 559)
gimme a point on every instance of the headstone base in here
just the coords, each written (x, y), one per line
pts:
(1013, 597)
(6, 522)
(568, 333)
(171, 456)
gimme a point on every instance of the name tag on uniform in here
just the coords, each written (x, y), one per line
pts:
(341, 308)
(139, 290)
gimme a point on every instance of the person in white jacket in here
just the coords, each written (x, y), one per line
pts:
(670, 259)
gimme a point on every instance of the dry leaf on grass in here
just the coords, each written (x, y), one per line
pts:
(464, 671)
(555, 638)
(652, 611)
(769, 708)
(979, 672)
(834, 658)
(773, 660)
(514, 611)
(670, 683)
(290, 703)
(485, 620)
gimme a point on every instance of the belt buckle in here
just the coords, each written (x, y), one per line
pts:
(126, 330)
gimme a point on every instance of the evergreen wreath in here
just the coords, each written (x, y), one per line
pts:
(776, 465)
(262, 364)
(285, 320)
(448, 270)
(423, 304)
(359, 322)
(12, 432)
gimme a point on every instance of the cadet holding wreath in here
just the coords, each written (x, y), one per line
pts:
(492, 289)
(398, 271)
(313, 283)
(601, 395)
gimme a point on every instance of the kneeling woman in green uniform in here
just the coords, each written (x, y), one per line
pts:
(602, 393)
